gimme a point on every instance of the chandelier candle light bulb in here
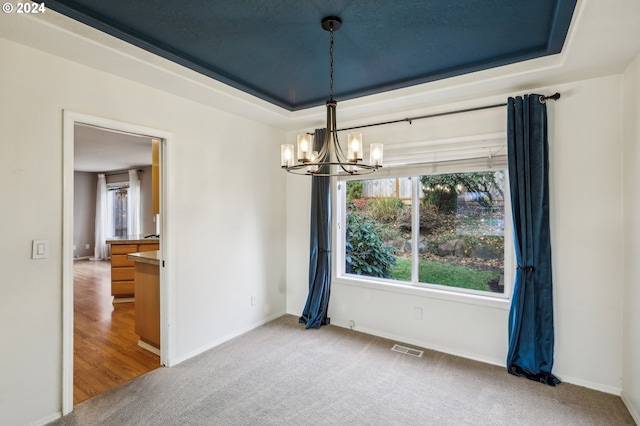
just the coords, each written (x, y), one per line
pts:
(354, 143)
(375, 154)
(286, 155)
(304, 147)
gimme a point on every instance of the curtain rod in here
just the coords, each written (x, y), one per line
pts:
(542, 100)
(126, 172)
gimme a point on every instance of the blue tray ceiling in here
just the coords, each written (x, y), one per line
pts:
(277, 50)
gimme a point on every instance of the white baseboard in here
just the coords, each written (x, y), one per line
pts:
(47, 420)
(590, 385)
(500, 363)
(212, 345)
(632, 410)
(445, 350)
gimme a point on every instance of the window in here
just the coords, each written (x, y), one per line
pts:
(120, 212)
(436, 230)
(117, 205)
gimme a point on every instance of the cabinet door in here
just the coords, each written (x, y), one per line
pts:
(122, 288)
(122, 274)
(147, 289)
(120, 260)
(123, 248)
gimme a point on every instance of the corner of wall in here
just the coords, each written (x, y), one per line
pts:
(631, 209)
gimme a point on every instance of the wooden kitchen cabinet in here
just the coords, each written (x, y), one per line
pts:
(122, 269)
(147, 284)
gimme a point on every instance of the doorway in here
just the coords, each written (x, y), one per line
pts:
(95, 274)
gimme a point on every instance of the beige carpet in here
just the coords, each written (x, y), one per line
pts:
(282, 374)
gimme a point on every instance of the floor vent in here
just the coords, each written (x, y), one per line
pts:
(406, 350)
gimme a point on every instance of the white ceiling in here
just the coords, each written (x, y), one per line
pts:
(103, 150)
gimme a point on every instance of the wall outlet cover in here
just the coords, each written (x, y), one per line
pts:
(417, 313)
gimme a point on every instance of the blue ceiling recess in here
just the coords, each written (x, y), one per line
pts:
(278, 51)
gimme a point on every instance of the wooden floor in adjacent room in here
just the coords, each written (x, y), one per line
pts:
(106, 351)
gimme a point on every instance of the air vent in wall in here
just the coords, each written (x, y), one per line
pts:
(406, 350)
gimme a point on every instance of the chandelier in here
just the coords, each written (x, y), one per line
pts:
(330, 160)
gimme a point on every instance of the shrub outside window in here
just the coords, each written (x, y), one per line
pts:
(444, 231)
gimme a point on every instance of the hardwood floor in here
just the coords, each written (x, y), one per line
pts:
(106, 351)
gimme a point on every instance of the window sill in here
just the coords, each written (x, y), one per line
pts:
(500, 302)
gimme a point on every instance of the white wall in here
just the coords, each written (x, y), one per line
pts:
(84, 213)
(631, 188)
(586, 196)
(226, 224)
(147, 222)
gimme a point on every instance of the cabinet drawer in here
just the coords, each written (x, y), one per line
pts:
(122, 288)
(120, 260)
(123, 248)
(122, 274)
(148, 247)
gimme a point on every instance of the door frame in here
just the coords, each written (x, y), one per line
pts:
(70, 118)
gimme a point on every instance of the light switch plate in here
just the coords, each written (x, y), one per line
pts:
(40, 249)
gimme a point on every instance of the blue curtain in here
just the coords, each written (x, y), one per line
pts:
(314, 314)
(531, 336)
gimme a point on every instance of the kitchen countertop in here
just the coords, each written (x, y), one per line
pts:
(150, 257)
(132, 239)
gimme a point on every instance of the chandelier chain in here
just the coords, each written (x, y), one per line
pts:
(331, 64)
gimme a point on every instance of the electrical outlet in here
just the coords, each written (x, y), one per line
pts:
(417, 313)
(352, 324)
(254, 300)
(87, 246)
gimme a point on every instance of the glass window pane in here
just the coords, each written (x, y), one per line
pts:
(120, 213)
(378, 226)
(462, 230)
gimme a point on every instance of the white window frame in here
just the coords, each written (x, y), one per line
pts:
(339, 276)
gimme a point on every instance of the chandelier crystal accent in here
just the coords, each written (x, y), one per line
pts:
(330, 160)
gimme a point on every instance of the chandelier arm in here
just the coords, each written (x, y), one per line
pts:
(324, 154)
(344, 169)
(339, 153)
(340, 156)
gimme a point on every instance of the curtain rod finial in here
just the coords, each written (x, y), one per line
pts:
(554, 97)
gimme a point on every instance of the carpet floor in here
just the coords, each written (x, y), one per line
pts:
(282, 374)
